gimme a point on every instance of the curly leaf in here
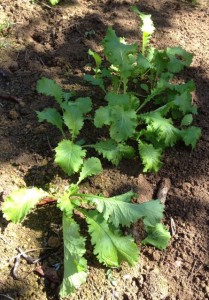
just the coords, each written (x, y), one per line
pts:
(52, 116)
(75, 265)
(73, 119)
(158, 236)
(69, 156)
(102, 116)
(95, 81)
(178, 59)
(110, 247)
(19, 203)
(191, 135)
(162, 127)
(151, 157)
(120, 211)
(49, 87)
(119, 54)
(91, 166)
(184, 103)
(113, 151)
(123, 124)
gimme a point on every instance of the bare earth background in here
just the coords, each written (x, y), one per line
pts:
(39, 40)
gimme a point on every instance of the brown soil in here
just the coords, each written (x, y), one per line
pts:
(38, 40)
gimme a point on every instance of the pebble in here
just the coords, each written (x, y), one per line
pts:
(13, 114)
(53, 241)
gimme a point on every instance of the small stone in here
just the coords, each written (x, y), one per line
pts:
(14, 66)
(13, 114)
(207, 289)
(53, 241)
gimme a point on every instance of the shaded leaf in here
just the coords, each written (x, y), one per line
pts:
(52, 116)
(158, 236)
(191, 135)
(113, 151)
(151, 157)
(49, 87)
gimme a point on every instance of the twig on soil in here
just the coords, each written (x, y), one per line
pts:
(173, 227)
(7, 296)
(11, 98)
(28, 258)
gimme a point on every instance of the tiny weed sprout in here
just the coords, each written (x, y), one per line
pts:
(143, 106)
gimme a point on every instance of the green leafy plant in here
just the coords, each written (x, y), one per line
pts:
(54, 2)
(105, 217)
(144, 101)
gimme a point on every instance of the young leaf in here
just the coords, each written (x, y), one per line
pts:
(95, 81)
(158, 236)
(65, 204)
(151, 157)
(97, 58)
(84, 104)
(120, 54)
(69, 156)
(19, 203)
(75, 265)
(113, 151)
(162, 127)
(52, 116)
(178, 59)
(191, 135)
(120, 211)
(102, 116)
(54, 2)
(91, 166)
(187, 120)
(73, 119)
(49, 87)
(184, 103)
(123, 124)
(110, 247)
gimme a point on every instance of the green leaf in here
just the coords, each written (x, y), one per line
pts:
(184, 103)
(69, 156)
(120, 54)
(52, 116)
(19, 203)
(91, 166)
(75, 265)
(120, 211)
(123, 125)
(191, 135)
(115, 99)
(49, 87)
(54, 2)
(163, 127)
(151, 157)
(109, 246)
(147, 25)
(158, 236)
(65, 204)
(187, 120)
(102, 116)
(84, 104)
(73, 119)
(178, 59)
(95, 81)
(96, 57)
(113, 151)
